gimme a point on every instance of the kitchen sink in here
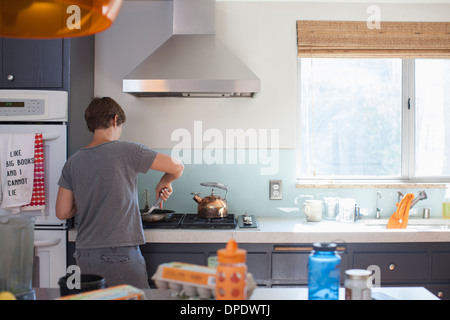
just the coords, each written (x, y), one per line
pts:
(413, 224)
(413, 227)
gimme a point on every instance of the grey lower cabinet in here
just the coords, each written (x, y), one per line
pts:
(286, 265)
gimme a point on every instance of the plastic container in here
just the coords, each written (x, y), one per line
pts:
(357, 284)
(16, 253)
(324, 272)
(446, 205)
(88, 282)
(231, 276)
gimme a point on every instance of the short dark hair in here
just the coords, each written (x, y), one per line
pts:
(100, 113)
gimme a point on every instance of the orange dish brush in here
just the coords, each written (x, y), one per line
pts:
(399, 220)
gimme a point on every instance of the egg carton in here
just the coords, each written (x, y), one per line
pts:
(191, 280)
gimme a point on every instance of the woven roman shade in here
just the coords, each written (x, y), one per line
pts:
(354, 39)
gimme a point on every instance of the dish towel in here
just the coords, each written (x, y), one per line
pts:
(38, 197)
(399, 219)
(16, 170)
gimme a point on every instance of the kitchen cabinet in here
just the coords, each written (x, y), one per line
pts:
(31, 63)
(408, 264)
(54, 64)
(286, 265)
(395, 267)
(258, 259)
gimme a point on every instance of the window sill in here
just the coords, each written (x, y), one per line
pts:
(308, 184)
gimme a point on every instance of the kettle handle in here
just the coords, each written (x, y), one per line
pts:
(214, 185)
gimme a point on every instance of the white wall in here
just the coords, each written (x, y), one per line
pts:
(262, 34)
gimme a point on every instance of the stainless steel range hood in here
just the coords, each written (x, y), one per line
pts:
(192, 63)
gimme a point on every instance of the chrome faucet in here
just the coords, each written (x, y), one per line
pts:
(421, 196)
(400, 195)
(378, 212)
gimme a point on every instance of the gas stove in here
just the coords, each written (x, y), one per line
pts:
(193, 221)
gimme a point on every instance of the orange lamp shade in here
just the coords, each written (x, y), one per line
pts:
(43, 19)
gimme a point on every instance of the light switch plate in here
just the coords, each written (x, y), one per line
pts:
(275, 190)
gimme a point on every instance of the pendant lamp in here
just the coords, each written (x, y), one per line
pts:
(45, 19)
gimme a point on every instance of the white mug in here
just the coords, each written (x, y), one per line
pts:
(313, 210)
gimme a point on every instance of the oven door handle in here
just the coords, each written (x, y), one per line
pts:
(47, 242)
(51, 136)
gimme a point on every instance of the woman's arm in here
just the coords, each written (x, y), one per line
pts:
(172, 168)
(65, 204)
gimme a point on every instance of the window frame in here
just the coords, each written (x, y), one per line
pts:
(408, 128)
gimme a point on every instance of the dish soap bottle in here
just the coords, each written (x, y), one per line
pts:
(324, 273)
(231, 274)
(446, 205)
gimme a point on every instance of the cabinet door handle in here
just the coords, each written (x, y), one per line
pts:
(10, 77)
(391, 267)
(440, 294)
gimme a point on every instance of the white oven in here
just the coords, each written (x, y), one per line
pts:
(40, 111)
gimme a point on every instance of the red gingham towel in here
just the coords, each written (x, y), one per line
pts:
(38, 198)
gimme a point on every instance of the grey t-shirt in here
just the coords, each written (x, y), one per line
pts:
(103, 180)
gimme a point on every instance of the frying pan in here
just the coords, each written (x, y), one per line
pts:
(157, 215)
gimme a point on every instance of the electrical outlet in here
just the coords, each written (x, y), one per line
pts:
(275, 190)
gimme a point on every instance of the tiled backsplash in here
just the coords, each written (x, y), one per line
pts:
(249, 190)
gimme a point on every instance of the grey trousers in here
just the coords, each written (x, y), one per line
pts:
(120, 265)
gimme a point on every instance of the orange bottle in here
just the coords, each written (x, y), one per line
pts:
(231, 276)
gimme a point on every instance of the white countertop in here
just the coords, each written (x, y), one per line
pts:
(298, 230)
(397, 293)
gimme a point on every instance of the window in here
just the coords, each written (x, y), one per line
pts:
(358, 119)
(432, 125)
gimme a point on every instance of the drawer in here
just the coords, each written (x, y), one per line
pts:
(290, 266)
(395, 266)
(440, 266)
(442, 290)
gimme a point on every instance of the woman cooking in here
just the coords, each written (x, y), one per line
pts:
(99, 184)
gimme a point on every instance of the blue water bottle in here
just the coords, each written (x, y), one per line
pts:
(324, 272)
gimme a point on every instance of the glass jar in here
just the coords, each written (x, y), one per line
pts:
(357, 284)
(324, 272)
(446, 205)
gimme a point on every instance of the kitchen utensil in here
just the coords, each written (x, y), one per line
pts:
(212, 206)
(313, 210)
(146, 195)
(154, 206)
(154, 214)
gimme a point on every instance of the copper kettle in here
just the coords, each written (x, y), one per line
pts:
(212, 206)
